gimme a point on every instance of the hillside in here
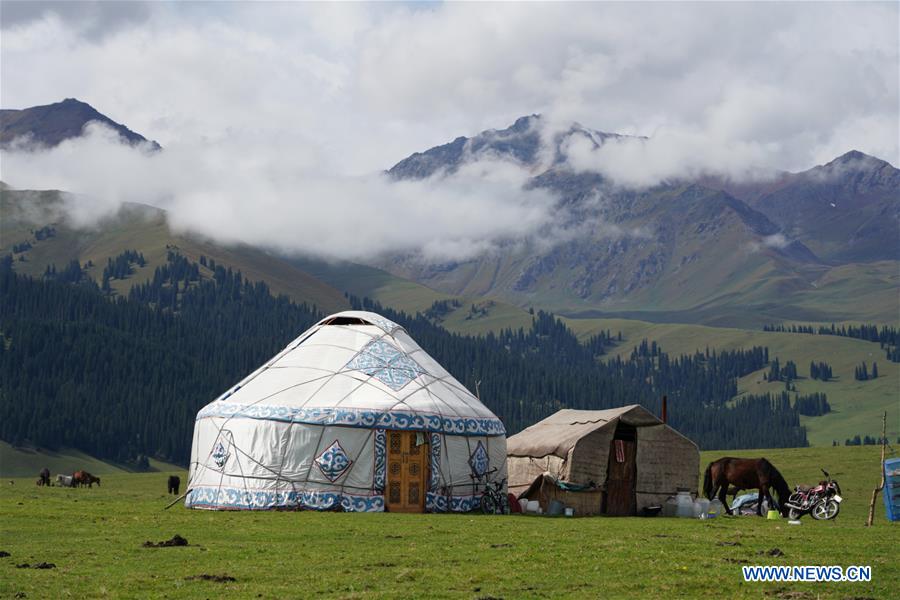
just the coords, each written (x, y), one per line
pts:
(28, 462)
(700, 252)
(140, 228)
(52, 124)
(857, 406)
(845, 210)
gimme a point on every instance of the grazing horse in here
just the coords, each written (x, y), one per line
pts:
(44, 477)
(174, 483)
(81, 478)
(745, 474)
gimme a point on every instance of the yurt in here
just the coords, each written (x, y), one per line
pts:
(352, 415)
(614, 462)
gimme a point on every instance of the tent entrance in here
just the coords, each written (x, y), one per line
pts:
(407, 468)
(621, 473)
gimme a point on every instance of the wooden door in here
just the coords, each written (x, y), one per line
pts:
(620, 478)
(407, 471)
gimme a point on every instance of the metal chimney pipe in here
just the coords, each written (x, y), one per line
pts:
(665, 416)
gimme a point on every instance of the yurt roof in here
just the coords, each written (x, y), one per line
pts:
(558, 433)
(357, 369)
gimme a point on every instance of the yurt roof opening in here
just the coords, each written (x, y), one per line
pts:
(352, 415)
(615, 461)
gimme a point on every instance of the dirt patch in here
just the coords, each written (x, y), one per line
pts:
(501, 545)
(739, 561)
(786, 594)
(3, 553)
(176, 540)
(393, 537)
(728, 543)
(207, 577)
(772, 552)
(40, 565)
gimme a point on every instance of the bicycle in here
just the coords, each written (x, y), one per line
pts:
(493, 499)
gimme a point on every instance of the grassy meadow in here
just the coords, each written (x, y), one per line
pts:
(95, 536)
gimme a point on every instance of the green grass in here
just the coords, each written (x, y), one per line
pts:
(27, 462)
(95, 536)
(857, 406)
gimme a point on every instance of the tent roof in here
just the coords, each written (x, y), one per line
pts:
(357, 368)
(558, 433)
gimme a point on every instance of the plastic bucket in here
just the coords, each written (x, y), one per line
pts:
(773, 515)
(556, 508)
(524, 504)
(533, 506)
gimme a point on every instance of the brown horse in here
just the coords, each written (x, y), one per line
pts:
(81, 478)
(745, 474)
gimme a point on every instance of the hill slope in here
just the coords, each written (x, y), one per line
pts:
(140, 228)
(681, 251)
(845, 211)
(52, 124)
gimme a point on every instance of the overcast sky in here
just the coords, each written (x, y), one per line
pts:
(280, 91)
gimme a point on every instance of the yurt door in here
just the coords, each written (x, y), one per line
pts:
(621, 475)
(407, 469)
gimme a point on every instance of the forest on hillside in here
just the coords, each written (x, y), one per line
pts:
(122, 378)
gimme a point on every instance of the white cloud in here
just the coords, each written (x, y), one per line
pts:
(287, 202)
(289, 108)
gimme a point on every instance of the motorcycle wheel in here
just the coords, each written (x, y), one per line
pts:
(794, 514)
(487, 505)
(826, 510)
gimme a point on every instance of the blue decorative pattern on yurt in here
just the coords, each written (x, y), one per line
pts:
(220, 454)
(387, 364)
(385, 324)
(349, 417)
(443, 503)
(380, 461)
(435, 462)
(333, 461)
(238, 498)
(479, 461)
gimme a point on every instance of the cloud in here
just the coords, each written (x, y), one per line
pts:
(273, 198)
(276, 116)
(776, 240)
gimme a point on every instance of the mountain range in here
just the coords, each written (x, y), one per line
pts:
(818, 245)
(707, 250)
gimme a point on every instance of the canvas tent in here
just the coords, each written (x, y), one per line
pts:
(351, 415)
(614, 461)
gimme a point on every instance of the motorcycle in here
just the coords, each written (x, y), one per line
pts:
(823, 502)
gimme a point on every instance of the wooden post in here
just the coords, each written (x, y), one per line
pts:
(880, 487)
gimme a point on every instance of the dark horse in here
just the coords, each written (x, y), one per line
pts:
(746, 474)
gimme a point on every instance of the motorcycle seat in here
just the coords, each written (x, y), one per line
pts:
(803, 488)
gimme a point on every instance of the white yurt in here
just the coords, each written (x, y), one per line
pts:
(352, 415)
